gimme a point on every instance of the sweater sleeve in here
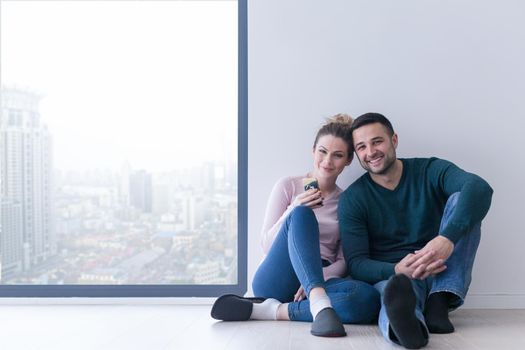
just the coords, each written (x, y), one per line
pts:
(277, 209)
(474, 198)
(354, 239)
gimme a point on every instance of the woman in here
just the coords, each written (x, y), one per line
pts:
(300, 278)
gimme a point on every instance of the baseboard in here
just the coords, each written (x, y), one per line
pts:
(473, 301)
(495, 301)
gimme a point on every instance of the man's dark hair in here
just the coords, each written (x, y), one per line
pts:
(370, 118)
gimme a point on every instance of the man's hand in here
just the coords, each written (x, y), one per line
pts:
(440, 245)
(429, 260)
(407, 266)
(442, 248)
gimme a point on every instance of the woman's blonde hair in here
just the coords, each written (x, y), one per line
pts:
(340, 126)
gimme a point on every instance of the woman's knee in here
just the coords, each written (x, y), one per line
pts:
(302, 209)
(302, 221)
(301, 212)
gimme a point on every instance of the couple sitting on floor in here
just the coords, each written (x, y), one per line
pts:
(398, 245)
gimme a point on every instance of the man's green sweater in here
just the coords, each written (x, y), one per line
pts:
(379, 227)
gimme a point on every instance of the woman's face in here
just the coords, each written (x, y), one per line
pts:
(330, 157)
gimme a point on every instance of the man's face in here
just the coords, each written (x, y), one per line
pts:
(375, 148)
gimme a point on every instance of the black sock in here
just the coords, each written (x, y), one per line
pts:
(400, 304)
(436, 313)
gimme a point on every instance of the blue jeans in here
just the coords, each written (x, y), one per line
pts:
(294, 260)
(455, 279)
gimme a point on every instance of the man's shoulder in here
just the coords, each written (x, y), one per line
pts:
(357, 187)
(420, 164)
(420, 160)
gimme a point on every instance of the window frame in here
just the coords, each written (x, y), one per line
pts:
(182, 290)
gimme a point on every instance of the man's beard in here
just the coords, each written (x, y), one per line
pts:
(388, 165)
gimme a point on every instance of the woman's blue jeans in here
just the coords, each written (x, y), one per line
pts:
(455, 279)
(295, 259)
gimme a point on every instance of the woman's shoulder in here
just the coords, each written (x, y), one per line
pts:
(290, 180)
(289, 184)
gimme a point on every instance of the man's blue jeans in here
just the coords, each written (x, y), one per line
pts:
(295, 259)
(455, 279)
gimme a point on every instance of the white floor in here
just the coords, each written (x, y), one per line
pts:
(158, 327)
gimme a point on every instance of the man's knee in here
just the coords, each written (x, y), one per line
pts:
(451, 204)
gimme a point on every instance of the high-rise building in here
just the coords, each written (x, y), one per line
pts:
(11, 235)
(140, 190)
(26, 180)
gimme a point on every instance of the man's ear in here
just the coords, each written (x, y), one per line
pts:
(394, 140)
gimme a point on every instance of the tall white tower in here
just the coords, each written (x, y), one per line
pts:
(26, 180)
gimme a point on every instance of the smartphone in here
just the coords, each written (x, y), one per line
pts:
(309, 183)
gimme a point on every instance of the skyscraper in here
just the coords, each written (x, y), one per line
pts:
(11, 235)
(140, 190)
(26, 181)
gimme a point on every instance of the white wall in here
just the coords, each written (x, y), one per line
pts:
(450, 75)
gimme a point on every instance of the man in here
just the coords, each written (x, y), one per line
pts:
(411, 227)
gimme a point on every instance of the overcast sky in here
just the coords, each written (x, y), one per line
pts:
(151, 82)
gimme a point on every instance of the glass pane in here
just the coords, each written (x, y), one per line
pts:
(118, 142)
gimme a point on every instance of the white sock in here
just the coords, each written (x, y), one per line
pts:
(267, 310)
(319, 304)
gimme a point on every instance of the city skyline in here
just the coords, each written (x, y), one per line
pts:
(178, 227)
(134, 143)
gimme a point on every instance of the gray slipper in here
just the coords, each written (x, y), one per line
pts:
(230, 307)
(328, 324)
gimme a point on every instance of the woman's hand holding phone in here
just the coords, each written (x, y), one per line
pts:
(312, 198)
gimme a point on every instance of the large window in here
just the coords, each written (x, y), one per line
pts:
(123, 148)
